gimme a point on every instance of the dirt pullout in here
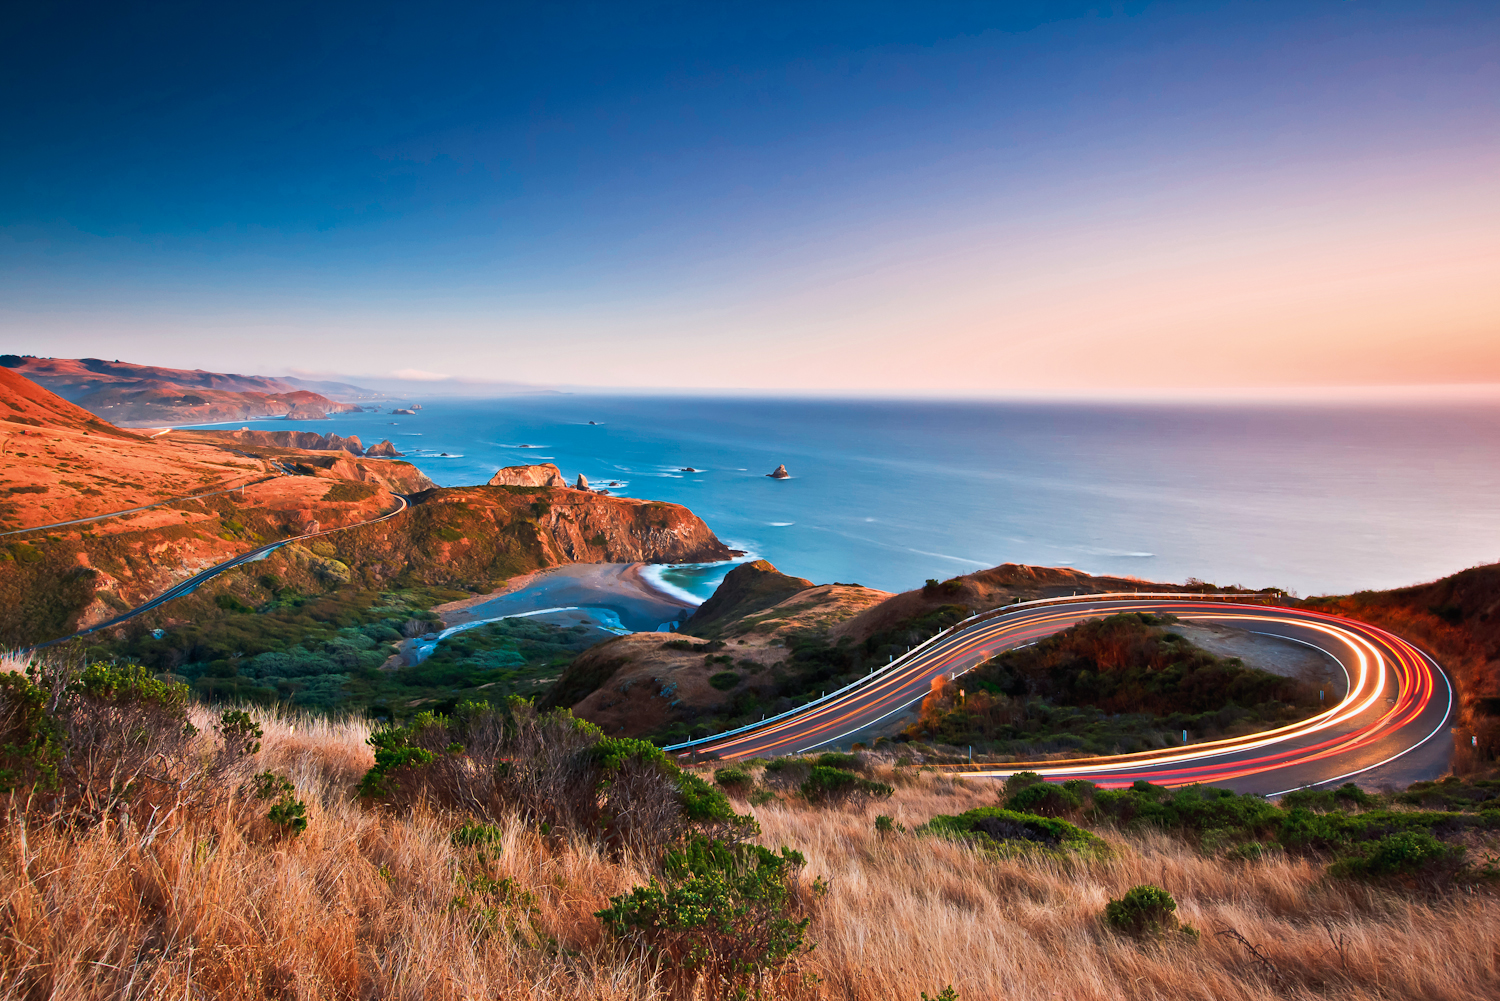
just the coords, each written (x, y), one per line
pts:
(1269, 653)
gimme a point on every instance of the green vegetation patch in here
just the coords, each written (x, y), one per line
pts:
(1010, 831)
(350, 491)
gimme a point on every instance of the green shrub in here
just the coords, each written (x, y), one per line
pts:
(733, 778)
(724, 914)
(239, 732)
(1347, 795)
(230, 603)
(287, 811)
(827, 785)
(724, 680)
(946, 994)
(82, 748)
(1410, 854)
(393, 754)
(1049, 799)
(476, 834)
(554, 769)
(885, 825)
(838, 759)
(350, 490)
(1144, 910)
(1009, 831)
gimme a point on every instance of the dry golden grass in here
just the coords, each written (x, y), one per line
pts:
(362, 906)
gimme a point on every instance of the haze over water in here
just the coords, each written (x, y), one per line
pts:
(1317, 499)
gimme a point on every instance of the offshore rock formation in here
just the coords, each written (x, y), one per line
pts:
(384, 450)
(779, 473)
(543, 474)
(582, 484)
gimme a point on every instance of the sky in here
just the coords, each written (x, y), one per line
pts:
(934, 199)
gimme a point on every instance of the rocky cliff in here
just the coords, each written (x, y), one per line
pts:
(307, 440)
(475, 537)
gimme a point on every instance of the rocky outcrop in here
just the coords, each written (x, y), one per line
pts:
(582, 484)
(750, 588)
(468, 535)
(308, 440)
(779, 473)
(541, 475)
(384, 450)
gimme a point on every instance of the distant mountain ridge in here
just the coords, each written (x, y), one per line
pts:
(143, 395)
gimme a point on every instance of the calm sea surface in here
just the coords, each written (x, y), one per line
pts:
(887, 494)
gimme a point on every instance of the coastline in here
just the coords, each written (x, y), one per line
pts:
(619, 588)
(635, 574)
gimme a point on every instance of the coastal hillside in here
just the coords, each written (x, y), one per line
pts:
(766, 642)
(59, 462)
(131, 395)
(170, 504)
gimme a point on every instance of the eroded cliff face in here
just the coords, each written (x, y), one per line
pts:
(476, 537)
(307, 440)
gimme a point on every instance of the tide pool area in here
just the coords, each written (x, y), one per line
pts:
(1316, 499)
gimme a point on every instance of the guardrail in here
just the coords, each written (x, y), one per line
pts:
(953, 630)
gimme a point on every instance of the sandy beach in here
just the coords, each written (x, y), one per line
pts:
(618, 588)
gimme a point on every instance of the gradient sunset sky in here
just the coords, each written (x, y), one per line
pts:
(918, 198)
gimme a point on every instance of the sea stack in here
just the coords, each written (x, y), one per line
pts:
(779, 473)
(583, 482)
(385, 450)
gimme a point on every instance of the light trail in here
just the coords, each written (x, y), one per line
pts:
(1397, 699)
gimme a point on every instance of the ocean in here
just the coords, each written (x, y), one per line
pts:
(1314, 499)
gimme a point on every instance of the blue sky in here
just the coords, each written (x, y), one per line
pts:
(793, 197)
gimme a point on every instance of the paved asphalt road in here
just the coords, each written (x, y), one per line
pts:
(1398, 700)
(202, 577)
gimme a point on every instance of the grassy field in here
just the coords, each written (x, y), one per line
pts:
(381, 900)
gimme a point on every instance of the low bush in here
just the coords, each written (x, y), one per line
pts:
(553, 768)
(838, 759)
(1144, 910)
(835, 785)
(476, 834)
(724, 680)
(109, 741)
(1007, 830)
(737, 779)
(725, 916)
(1411, 856)
(287, 812)
(1050, 799)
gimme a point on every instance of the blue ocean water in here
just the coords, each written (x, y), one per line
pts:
(1316, 499)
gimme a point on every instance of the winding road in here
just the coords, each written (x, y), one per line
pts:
(202, 577)
(1398, 699)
